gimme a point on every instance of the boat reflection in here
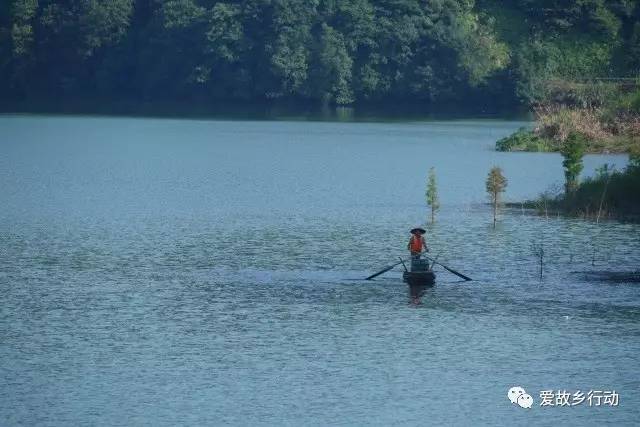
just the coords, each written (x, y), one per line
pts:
(416, 292)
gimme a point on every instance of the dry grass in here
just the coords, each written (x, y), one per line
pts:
(628, 125)
(557, 122)
(604, 134)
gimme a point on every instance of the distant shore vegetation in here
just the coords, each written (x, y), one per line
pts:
(482, 53)
(610, 194)
(605, 114)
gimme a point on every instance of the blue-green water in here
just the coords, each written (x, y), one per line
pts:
(179, 272)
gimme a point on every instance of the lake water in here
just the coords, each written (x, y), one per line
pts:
(194, 272)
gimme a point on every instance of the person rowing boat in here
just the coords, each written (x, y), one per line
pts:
(417, 243)
(421, 273)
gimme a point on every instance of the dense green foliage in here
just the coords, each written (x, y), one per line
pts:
(572, 152)
(567, 40)
(334, 51)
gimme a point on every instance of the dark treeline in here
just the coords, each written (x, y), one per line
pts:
(484, 52)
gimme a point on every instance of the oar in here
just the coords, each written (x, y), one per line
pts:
(448, 269)
(383, 271)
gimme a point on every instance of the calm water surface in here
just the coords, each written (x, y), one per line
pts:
(181, 272)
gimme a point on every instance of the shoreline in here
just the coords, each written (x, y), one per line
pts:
(554, 210)
(391, 109)
(527, 141)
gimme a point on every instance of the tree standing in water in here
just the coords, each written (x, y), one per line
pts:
(572, 150)
(432, 194)
(496, 184)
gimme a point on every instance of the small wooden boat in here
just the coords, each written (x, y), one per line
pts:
(420, 274)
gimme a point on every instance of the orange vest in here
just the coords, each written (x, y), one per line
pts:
(416, 244)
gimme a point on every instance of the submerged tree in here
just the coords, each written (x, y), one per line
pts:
(538, 252)
(496, 184)
(572, 151)
(432, 194)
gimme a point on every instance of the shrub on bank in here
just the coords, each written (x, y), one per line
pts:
(523, 140)
(629, 103)
(609, 194)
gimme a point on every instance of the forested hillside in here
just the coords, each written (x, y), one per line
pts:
(489, 52)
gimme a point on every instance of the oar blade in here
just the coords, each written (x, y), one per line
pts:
(462, 276)
(468, 279)
(382, 271)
